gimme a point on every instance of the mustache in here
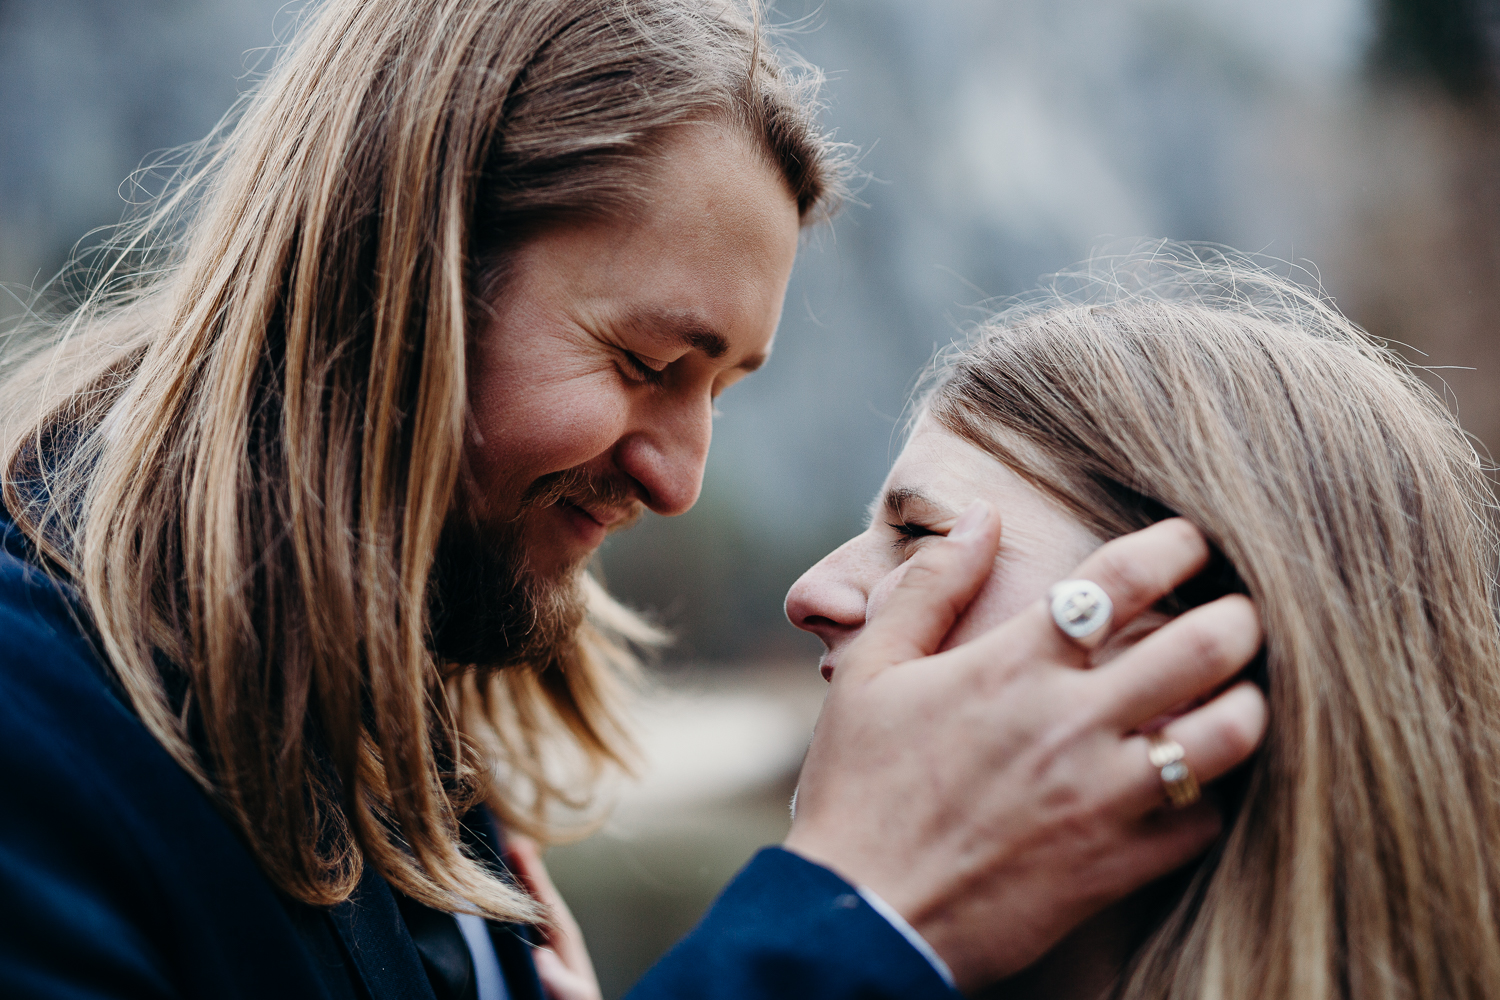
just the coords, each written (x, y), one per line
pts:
(580, 487)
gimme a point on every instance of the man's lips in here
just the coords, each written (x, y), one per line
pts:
(605, 517)
(601, 518)
(587, 530)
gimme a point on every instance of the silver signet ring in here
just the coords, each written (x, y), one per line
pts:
(1082, 610)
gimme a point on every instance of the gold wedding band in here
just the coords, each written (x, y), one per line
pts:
(1177, 778)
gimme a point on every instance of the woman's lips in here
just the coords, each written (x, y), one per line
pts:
(825, 667)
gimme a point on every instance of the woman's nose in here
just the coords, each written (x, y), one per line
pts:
(829, 599)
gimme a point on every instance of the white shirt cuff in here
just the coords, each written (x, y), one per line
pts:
(916, 940)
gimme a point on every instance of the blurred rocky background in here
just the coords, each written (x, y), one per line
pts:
(1002, 140)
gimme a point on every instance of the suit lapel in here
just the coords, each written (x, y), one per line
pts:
(379, 945)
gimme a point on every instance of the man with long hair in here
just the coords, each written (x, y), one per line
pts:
(298, 504)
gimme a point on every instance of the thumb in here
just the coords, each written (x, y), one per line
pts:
(936, 586)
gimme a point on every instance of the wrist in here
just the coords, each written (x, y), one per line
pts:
(965, 959)
(906, 930)
(809, 849)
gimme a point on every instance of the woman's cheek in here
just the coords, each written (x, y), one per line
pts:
(993, 605)
(881, 592)
(1017, 580)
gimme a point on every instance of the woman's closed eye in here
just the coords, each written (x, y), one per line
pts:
(908, 532)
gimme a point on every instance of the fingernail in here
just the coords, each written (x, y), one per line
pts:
(972, 520)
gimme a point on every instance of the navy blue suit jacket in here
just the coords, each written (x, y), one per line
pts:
(120, 879)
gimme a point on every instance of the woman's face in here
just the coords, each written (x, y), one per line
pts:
(936, 478)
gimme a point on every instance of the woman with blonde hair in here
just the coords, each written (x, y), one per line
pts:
(298, 502)
(1361, 850)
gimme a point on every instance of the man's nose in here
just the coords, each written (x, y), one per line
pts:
(667, 454)
(829, 599)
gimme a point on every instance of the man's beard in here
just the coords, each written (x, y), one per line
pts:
(486, 604)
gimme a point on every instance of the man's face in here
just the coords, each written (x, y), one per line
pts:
(592, 386)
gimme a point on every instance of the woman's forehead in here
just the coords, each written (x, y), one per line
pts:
(938, 469)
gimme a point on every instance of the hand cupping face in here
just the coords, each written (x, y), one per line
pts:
(1012, 783)
(936, 478)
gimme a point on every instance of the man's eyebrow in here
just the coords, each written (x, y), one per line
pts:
(690, 332)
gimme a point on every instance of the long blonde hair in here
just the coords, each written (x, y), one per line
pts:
(243, 445)
(1362, 859)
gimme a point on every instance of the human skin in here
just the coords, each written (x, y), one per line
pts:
(611, 338)
(933, 481)
(1028, 806)
(603, 351)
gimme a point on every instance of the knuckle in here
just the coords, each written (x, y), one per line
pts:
(1056, 745)
(1063, 757)
(1205, 645)
(1128, 577)
(1228, 630)
(1090, 711)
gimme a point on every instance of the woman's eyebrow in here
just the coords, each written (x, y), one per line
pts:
(896, 501)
